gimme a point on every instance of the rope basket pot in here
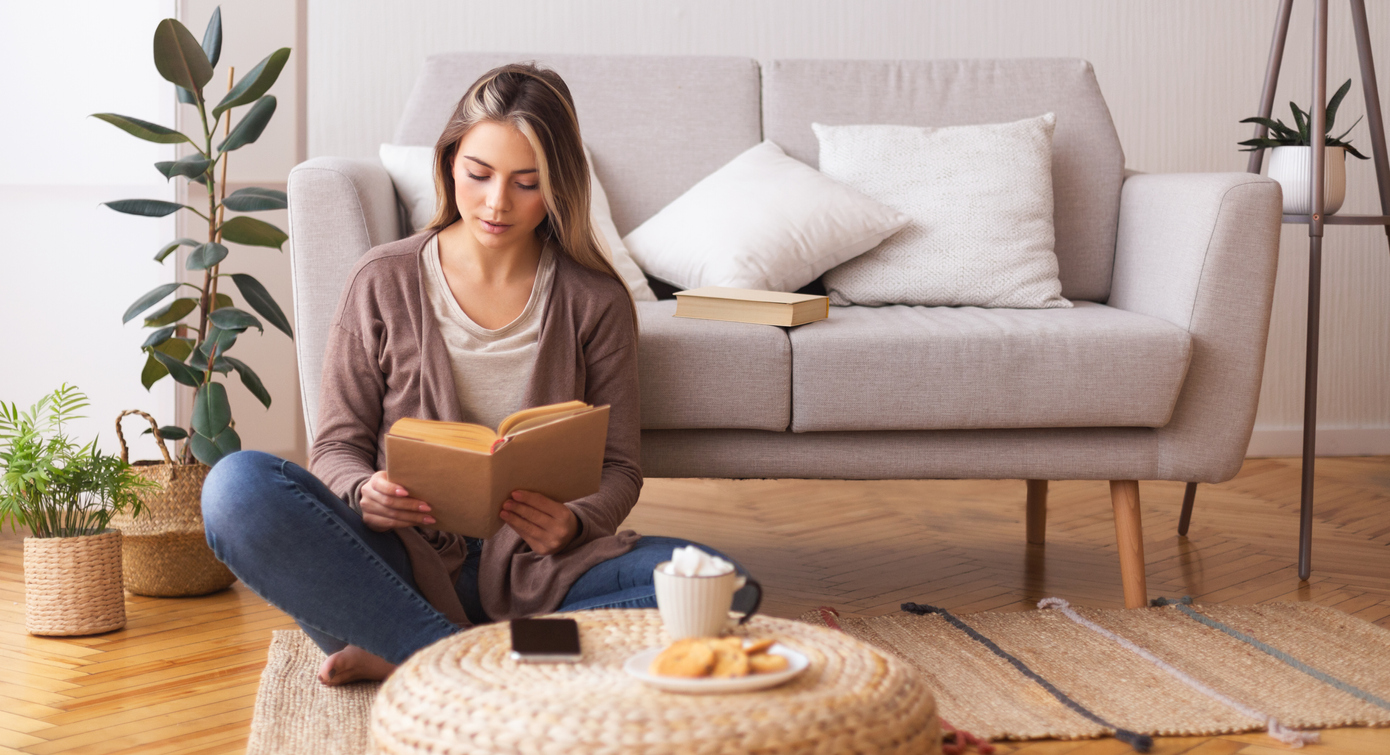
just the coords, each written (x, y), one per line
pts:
(72, 585)
(166, 549)
(465, 694)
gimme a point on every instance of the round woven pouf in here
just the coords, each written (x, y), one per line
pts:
(464, 694)
(72, 585)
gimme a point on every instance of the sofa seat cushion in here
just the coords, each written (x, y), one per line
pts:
(948, 368)
(710, 374)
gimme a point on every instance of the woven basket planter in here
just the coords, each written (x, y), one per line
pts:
(166, 549)
(72, 585)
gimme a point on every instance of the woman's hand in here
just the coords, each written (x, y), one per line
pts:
(547, 526)
(387, 506)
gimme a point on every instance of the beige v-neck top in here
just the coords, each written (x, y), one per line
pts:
(491, 367)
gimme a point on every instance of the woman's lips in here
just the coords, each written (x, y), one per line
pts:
(491, 227)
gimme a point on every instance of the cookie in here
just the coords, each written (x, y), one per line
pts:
(729, 661)
(688, 658)
(765, 663)
(758, 646)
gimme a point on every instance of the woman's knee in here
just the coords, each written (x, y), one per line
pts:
(236, 486)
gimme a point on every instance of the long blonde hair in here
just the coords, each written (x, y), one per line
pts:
(537, 103)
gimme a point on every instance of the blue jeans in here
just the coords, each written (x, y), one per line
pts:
(302, 549)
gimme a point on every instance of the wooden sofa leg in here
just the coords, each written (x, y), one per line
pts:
(1189, 496)
(1037, 511)
(1129, 535)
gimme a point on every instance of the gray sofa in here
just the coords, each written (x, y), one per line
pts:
(1153, 375)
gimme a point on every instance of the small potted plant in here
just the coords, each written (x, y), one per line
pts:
(1291, 160)
(65, 494)
(194, 327)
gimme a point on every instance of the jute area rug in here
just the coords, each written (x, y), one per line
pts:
(1060, 672)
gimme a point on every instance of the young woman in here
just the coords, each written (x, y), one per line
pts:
(505, 301)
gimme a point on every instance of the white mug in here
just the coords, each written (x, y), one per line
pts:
(699, 606)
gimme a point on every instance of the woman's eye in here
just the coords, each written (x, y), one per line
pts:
(529, 187)
(477, 178)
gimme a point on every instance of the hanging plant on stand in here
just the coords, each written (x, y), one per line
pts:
(166, 553)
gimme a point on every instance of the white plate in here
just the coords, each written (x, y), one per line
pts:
(639, 664)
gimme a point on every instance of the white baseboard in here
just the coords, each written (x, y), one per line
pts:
(1351, 441)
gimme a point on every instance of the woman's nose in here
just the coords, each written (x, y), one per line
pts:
(497, 197)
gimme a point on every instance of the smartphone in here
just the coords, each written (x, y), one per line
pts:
(545, 640)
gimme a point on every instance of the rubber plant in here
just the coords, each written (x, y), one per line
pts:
(192, 334)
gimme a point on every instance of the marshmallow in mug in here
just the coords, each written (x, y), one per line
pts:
(693, 562)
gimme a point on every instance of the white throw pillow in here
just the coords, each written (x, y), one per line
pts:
(980, 198)
(412, 171)
(763, 221)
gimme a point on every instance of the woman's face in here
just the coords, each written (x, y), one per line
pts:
(497, 187)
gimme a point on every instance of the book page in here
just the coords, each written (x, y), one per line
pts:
(513, 421)
(452, 434)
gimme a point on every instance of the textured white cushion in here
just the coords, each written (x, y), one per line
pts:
(412, 172)
(980, 199)
(763, 221)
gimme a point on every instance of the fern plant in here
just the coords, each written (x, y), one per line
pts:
(193, 333)
(1281, 135)
(50, 484)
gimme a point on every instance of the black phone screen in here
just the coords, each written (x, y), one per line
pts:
(545, 637)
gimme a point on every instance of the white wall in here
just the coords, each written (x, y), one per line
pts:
(1178, 77)
(69, 267)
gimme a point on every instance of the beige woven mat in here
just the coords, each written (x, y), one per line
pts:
(980, 692)
(296, 714)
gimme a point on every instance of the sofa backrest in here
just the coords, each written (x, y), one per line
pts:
(1087, 163)
(654, 125)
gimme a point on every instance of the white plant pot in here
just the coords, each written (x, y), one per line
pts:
(1292, 167)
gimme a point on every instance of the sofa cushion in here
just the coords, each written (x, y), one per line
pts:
(1087, 163)
(709, 374)
(939, 368)
(654, 125)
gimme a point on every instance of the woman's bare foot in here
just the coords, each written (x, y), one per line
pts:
(353, 664)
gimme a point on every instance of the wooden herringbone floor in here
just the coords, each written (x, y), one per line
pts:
(181, 678)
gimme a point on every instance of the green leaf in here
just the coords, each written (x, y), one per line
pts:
(185, 96)
(260, 300)
(1342, 135)
(212, 413)
(1335, 103)
(190, 166)
(254, 199)
(222, 300)
(204, 449)
(251, 380)
(212, 37)
(201, 178)
(150, 132)
(253, 232)
(231, 318)
(154, 370)
(199, 361)
(249, 128)
(227, 441)
(1352, 151)
(255, 83)
(168, 432)
(178, 348)
(148, 300)
(150, 208)
(158, 337)
(222, 340)
(178, 56)
(1300, 119)
(177, 369)
(164, 166)
(205, 256)
(175, 311)
(169, 248)
(1275, 127)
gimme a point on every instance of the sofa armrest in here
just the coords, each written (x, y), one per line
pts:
(339, 208)
(1200, 251)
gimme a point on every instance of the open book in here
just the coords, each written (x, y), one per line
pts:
(465, 472)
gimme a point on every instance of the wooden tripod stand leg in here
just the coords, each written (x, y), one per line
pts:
(1129, 535)
(1037, 512)
(1189, 497)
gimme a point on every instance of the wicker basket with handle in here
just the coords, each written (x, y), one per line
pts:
(165, 550)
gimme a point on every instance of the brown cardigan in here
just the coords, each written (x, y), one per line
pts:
(385, 360)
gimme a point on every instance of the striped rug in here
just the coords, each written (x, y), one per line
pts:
(1175, 669)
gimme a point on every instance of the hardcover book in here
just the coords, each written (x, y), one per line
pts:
(748, 305)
